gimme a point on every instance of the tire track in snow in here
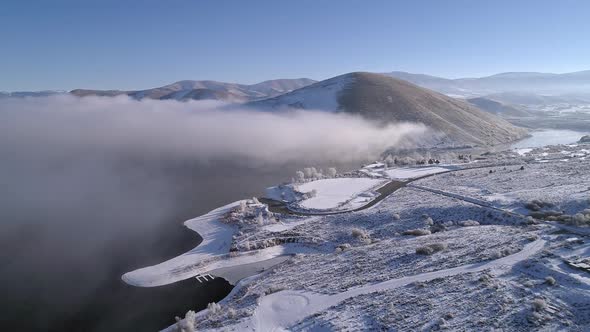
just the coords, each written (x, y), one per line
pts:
(281, 310)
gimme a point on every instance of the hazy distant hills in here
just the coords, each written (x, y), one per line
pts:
(498, 108)
(204, 90)
(398, 96)
(380, 97)
(538, 83)
(22, 94)
(504, 87)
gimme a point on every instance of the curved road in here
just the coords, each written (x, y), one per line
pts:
(280, 311)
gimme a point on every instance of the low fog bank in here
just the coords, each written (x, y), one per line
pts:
(92, 187)
(200, 131)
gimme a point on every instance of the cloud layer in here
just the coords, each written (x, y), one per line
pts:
(199, 130)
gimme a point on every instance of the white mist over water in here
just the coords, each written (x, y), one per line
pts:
(199, 130)
(90, 186)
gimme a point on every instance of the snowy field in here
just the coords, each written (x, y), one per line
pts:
(472, 249)
(406, 173)
(334, 193)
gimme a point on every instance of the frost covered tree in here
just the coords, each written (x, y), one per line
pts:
(260, 219)
(389, 161)
(311, 173)
(213, 308)
(188, 323)
(243, 206)
(332, 172)
(300, 176)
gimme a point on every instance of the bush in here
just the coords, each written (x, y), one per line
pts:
(545, 214)
(437, 228)
(431, 248)
(243, 206)
(539, 304)
(537, 205)
(438, 246)
(311, 194)
(343, 247)
(332, 172)
(467, 223)
(213, 308)
(395, 216)
(362, 235)
(426, 250)
(231, 313)
(300, 176)
(358, 233)
(550, 281)
(417, 232)
(188, 323)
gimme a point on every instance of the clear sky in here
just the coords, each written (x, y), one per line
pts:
(127, 44)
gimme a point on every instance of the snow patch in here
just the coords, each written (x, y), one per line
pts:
(406, 173)
(339, 193)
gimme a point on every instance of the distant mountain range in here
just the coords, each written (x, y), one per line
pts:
(201, 90)
(537, 83)
(503, 85)
(387, 99)
(498, 108)
(22, 94)
(393, 96)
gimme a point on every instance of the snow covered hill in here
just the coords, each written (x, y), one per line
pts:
(386, 99)
(545, 83)
(199, 90)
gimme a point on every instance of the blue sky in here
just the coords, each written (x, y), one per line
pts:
(142, 44)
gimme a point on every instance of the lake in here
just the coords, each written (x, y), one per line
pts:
(549, 137)
(71, 228)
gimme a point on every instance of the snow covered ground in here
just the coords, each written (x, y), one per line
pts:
(217, 238)
(347, 193)
(406, 173)
(336, 194)
(471, 249)
(281, 310)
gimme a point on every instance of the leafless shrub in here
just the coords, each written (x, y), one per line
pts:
(187, 324)
(467, 223)
(549, 280)
(426, 250)
(343, 247)
(417, 232)
(273, 289)
(395, 216)
(539, 304)
(431, 248)
(357, 232)
(213, 308)
(537, 205)
(546, 214)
